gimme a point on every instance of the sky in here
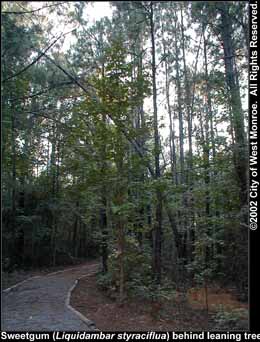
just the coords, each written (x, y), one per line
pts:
(94, 11)
(99, 9)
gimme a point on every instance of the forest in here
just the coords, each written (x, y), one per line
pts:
(125, 140)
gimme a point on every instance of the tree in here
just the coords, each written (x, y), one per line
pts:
(124, 145)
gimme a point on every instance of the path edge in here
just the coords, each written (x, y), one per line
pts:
(90, 323)
(37, 276)
(18, 284)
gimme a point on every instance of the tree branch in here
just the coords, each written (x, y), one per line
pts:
(32, 11)
(36, 59)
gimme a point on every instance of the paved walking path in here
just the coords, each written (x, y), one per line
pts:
(39, 304)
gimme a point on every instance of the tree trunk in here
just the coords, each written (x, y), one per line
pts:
(209, 102)
(190, 218)
(172, 133)
(103, 209)
(13, 218)
(240, 158)
(53, 169)
(158, 217)
(75, 233)
(119, 201)
(188, 102)
(179, 106)
(103, 219)
(208, 119)
(240, 148)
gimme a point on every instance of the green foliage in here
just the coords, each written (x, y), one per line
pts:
(153, 292)
(236, 319)
(105, 282)
(137, 279)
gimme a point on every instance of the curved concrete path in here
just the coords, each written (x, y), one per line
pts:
(42, 303)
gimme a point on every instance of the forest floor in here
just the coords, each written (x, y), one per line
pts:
(41, 303)
(183, 313)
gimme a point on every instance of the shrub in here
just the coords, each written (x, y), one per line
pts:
(237, 319)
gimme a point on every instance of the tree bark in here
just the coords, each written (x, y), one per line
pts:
(208, 118)
(188, 102)
(240, 158)
(179, 105)
(13, 218)
(172, 133)
(103, 210)
(158, 216)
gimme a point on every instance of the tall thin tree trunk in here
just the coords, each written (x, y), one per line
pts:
(240, 148)
(141, 139)
(188, 102)
(208, 119)
(103, 218)
(119, 201)
(209, 101)
(172, 133)
(158, 216)
(53, 186)
(179, 105)
(13, 219)
(103, 209)
(240, 158)
(190, 219)
(76, 232)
